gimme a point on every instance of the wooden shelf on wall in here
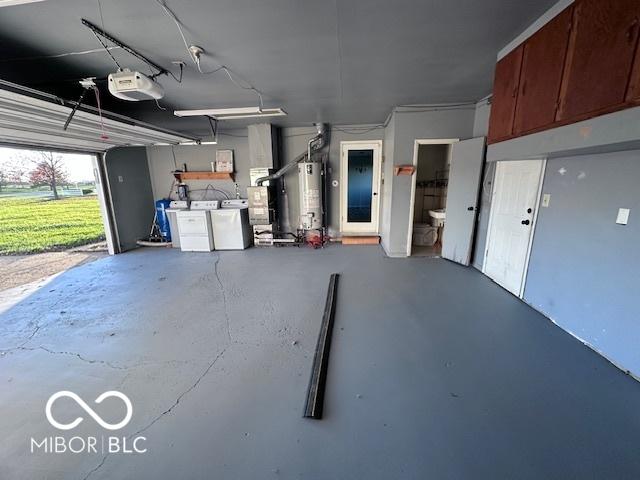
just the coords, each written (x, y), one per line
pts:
(182, 176)
(404, 170)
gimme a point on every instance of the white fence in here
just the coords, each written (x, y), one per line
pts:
(28, 193)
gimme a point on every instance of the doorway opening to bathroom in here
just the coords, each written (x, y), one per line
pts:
(432, 159)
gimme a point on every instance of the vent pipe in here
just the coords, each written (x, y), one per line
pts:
(316, 143)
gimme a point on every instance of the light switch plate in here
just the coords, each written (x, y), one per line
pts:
(623, 216)
(546, 199)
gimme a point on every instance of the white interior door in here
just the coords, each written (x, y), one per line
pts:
(467, 158)
(360, 186)
(516, 190)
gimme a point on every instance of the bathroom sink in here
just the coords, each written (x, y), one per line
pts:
(439, 214)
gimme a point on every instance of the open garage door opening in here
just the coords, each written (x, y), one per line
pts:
(52, 214)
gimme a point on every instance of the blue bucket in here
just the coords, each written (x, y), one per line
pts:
(163, 218)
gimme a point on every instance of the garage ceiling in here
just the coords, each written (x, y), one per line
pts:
(341, 61)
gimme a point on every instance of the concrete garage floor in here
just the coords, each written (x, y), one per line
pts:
(435, 372)
(18, 270)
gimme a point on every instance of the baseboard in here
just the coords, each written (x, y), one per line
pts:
(396, 254)
(361, 240)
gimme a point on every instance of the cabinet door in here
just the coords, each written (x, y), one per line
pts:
(542, 66)
(600, 57)
(505, 91)
(633, 93)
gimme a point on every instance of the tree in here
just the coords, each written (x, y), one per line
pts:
(49, 171)
(4, 177)
(12, 171)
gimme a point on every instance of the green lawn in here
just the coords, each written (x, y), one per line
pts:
(35, 225)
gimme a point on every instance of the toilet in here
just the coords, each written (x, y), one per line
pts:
(424, 235)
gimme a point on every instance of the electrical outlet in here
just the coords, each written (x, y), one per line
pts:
(546, 199)
(623, 216)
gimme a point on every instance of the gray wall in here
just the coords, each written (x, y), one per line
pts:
(388, 147)
(584, 271)
(606, 133)
(294, 142)
(403, 128)
(131, 194)
(412, 124)
(481, 118)
(199, 157)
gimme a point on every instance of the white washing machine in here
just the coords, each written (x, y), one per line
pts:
(172, 212)
(230, 224)
(194, 226)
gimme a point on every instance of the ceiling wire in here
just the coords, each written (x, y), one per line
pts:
(223, 134)
(173, 17)
(106, 49)
(196, 58)
(358, 131)
(57, 55)
(175, 162)
(434, 108)
(101, 17)
(403, 109)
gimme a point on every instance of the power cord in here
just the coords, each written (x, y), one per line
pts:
(196, 52)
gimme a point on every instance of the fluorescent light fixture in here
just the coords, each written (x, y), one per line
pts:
(9, 3)
(198, 143)
(232, 113)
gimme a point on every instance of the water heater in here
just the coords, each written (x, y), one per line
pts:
(310, 185)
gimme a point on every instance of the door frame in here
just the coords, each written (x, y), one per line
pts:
(376, 183)
(104, 200)
(412, 202)
(523, 280)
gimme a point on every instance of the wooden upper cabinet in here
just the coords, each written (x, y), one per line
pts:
(542, 66)
(599, 61)
(633, 92)
(505, 92)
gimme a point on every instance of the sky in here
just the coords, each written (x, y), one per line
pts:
(77, 165)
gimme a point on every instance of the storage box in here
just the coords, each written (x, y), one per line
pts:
(224, 161)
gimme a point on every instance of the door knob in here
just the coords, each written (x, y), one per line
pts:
(525, 222)
(471, 209)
